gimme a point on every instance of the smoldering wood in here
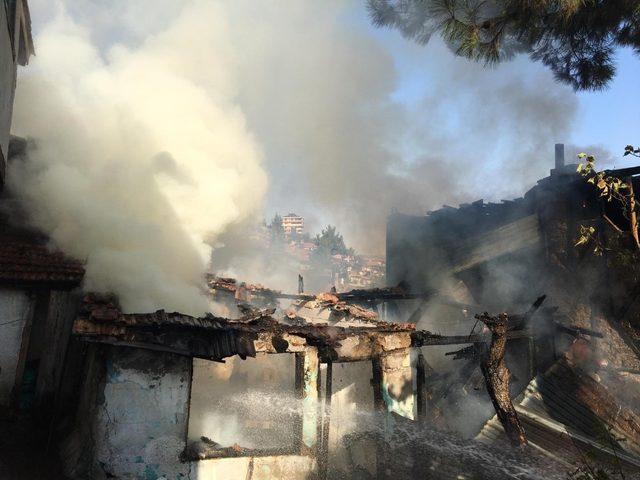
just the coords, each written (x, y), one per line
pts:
(577, 331)
(424, 338)
(497, 376)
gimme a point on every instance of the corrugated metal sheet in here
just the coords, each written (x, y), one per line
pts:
(567, 414)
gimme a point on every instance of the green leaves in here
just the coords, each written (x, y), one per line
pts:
(586, 234)
(608, 186)
(631, 150)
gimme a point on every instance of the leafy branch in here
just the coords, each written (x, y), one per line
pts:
(610, 188)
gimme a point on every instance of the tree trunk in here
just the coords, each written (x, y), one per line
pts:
(496, 375)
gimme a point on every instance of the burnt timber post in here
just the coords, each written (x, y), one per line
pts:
(496, 375)
(421, 387)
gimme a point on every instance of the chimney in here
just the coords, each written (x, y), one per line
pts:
(559, 157)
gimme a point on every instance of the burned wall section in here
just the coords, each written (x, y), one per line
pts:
(133, 415)
(506, 255)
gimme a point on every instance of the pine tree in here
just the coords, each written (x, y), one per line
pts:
(576, 39)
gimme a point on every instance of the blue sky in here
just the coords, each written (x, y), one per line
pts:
(608, 118)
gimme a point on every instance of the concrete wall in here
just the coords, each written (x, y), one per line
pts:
(15, 311)
(7, 88)
(290, 467)
(140, 425)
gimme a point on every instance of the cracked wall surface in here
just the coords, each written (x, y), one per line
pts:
(141, 418)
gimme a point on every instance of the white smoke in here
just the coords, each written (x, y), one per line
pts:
(153, 117)
(141, 154)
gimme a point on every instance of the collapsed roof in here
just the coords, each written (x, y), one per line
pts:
(340, 331)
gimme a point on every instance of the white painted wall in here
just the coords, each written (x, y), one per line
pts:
(141, 419)
(15, 309)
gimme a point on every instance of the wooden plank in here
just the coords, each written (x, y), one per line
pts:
(523, 233)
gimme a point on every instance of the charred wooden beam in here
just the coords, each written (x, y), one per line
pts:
(577, 331)
(623, 172)
(423, 338)
(421, 386)
(470, 352)
(496, 375)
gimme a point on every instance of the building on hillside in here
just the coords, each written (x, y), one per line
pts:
(293, 223)
(16, 46)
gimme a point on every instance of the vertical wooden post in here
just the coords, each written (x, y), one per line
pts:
(421, 387)
(496, 375)
(378, 404)
(24, 351)
(326, 424)
(533, 365)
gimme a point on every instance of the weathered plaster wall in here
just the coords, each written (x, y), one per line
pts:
(141, 420)
(397, 383)
(15, 309)
(7, 87)
(292, 467)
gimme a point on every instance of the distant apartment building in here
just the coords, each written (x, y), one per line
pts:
(293, 223)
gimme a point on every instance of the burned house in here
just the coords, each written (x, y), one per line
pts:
(501, 257)
(326, 387)
(151, 379)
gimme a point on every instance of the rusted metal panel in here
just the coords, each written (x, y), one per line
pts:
(566, 412)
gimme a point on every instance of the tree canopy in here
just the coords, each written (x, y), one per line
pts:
(277, 230)
(576, 39)
(330, 242)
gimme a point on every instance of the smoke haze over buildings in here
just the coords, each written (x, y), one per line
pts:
(161, 124)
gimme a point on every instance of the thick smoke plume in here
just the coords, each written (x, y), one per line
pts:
(141, 154)
(159, 122)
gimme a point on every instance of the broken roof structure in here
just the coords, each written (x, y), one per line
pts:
(31, 261)
(569, 415)
(341, 332)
